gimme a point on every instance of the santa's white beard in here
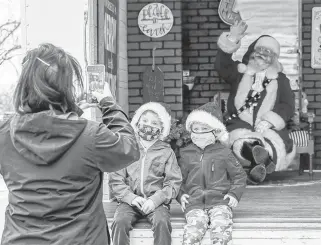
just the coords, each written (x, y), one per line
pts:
(259, 63)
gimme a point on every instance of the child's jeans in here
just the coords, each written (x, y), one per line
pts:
(218, 219)
(126, 215)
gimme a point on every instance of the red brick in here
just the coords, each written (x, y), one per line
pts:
(170, 5)
(198, 33)
(197, 19)
(166, 68)
(138, 38)
(198, 46)
(133, 77)
(135, 84)
(136, 69)
(207, 66)
(208, 53)
(135, 100)
(312, 77)
(219, 87)
(176, 107)
(168, 84)
(207, 94)
(172, 91)
(133, 61)
(198, 5)
(133, 30)
(139, 53)
(169, 99)
(179, 83)
(217, 20)
(207, 39)
(177, 21)
(179, 67)
(150, 45)
(201, 87)
(179, 99)
(308, 84)
(200, 73)
(214, 4)
(190, 26)
(134, 92)
(174, 44)
(198, 60)
(168, 37)
(307, 70)
(164, 52)
(174, 60)
(178, 36)
(205, 12)
(199, 101)
(190, 12)
(149, 61)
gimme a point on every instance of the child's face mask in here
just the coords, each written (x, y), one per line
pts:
(203, 135)
(149, 126)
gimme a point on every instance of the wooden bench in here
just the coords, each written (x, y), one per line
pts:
(267, 214)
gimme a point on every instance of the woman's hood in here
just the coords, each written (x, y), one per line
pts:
(45, 137)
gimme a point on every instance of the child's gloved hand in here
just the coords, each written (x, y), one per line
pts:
(184, 201)
(148, 206)
(138, 202)
(232, 201)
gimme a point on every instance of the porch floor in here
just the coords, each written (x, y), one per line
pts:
(284, 198)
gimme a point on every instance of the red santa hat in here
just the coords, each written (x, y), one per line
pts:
(161, 109)
(211, 115)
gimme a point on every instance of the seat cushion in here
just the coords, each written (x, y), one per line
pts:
(300, 138)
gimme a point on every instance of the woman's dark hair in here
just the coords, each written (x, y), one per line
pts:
(47, 79)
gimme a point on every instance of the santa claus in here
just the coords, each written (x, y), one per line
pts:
(259, 105)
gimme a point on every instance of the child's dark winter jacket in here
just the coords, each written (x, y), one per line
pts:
(210, 174)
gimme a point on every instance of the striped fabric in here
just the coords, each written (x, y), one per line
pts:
(300, 138)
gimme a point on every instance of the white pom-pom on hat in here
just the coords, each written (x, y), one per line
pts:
(242, 68)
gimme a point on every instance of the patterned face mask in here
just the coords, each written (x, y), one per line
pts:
(148, 133)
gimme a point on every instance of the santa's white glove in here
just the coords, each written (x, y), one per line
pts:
(237, 31)
(262, 126)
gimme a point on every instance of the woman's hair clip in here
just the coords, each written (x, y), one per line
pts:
(42, 61)
(23, 64)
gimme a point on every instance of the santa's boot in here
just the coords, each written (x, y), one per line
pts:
(258, 173)
(261, 156)
(247, 151)
(257, 158)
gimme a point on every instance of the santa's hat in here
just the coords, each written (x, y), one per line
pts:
(161, 109)
(267, 42)
(211, 115)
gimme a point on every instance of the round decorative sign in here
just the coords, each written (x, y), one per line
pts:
(155, 20)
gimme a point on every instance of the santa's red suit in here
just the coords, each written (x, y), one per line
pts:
(275, 103)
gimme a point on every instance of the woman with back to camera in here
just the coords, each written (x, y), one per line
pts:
(52, 161)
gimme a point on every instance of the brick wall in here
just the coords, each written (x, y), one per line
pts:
(200, 30)
(168, 56)
(311, 77)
